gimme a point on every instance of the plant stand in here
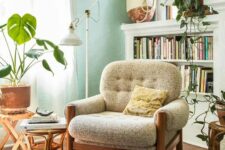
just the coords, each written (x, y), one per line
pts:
(9, 123)
(216, 134)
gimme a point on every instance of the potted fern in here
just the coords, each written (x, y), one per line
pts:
(15, 96)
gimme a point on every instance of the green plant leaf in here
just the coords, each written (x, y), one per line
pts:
(162, 4)
(2, 26)
(59, 56)
(215, 97)
(202, 137)
(51, 44)
(21, 29)
(5, 71)
(44, 43)
(199, 122)
(192, 41)
(178, 17)
(46, 66)
(41, 43)
(215, 12)
(205, 23)
(183, 23)
(223, 94)
(213, 108)
(34, 53)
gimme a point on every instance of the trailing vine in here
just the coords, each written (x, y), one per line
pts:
(191, 16)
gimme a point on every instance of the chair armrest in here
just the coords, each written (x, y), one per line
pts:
(89, 105)
(177, 113)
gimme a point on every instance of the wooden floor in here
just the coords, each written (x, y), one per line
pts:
(186, 147)
(191, 147)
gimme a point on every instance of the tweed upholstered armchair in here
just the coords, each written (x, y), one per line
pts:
(97, 123)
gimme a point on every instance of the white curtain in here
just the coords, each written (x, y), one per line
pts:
(53, 17)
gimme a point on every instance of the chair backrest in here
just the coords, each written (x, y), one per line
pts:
(119, 79)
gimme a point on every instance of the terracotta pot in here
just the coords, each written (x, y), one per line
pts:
(14, 99)
(221, 113)
(141, 10)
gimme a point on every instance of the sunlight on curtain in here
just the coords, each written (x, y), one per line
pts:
(53, 16)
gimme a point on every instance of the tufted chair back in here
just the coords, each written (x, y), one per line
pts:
(119, 79)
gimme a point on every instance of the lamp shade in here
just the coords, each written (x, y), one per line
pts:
(71, 38)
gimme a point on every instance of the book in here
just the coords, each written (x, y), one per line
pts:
(61, 124)
(53, 118)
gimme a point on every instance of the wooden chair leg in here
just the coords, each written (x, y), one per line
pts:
(70, 113)
(161, 130)
(180, 144)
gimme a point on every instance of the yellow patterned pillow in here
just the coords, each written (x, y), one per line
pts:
(145, 101)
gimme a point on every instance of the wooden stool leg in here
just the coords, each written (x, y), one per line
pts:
(6, 137)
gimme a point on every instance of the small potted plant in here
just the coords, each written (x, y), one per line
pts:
(15, 96)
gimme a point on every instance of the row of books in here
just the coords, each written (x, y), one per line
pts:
(166, 12)
(197, 78)
(173, 47)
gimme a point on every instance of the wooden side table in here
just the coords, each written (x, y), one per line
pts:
(216, 134)
(48, 132)
(48, 135)
(9, 123)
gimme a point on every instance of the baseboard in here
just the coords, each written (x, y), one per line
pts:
(195, 144)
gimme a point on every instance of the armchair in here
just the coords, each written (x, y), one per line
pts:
(97, 123)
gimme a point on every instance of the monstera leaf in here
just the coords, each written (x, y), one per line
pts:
(21, 29)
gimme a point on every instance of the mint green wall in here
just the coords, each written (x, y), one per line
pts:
(106, 42)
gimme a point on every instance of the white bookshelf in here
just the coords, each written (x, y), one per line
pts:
(172, 27)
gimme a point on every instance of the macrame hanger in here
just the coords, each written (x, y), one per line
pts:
(147, 10)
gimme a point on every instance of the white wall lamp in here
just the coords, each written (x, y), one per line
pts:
(71, 38)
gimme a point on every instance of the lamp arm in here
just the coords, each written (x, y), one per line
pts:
(77, 21)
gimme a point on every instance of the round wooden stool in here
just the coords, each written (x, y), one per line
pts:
(216, 134)
(49, 136)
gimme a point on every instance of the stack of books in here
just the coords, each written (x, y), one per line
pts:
(26, 125)
(53, 118)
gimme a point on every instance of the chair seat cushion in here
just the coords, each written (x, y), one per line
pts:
(113, 128)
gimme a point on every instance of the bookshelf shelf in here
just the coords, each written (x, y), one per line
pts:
(185, 61)
(196, 93)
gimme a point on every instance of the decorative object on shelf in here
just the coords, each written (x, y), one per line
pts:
(71, 39)
(141, 10)
(22, 29)
(43, 112)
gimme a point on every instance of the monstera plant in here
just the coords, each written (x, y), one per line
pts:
(24, 51)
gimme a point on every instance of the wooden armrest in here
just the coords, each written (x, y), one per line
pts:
(70, 114)
(161, 130)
